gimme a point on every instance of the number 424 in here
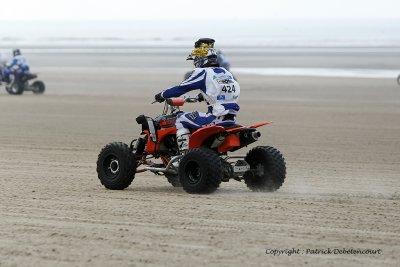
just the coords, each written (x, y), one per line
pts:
(228, 89)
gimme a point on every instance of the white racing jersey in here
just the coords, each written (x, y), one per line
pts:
(217, 86)
(19, 60)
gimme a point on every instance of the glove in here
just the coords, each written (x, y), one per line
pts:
(158, 97)
(200, 97)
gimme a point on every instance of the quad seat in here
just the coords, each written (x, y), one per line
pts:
(227, 127)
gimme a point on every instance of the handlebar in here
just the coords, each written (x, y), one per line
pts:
(179, 101)
(191, 99)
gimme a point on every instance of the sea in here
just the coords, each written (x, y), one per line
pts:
(180, 33)
(155, 36)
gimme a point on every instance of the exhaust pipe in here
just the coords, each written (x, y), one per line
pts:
(247, 138)
(255, 135)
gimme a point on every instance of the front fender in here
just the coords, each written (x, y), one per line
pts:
(153, 147)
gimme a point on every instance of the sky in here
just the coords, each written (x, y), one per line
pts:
(202, 9)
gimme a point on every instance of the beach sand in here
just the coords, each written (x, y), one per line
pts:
(340, 139)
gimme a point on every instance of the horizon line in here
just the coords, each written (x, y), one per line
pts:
(195, 19)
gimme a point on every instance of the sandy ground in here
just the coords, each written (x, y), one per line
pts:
(340, 139)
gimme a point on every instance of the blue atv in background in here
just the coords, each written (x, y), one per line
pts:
(17, 80)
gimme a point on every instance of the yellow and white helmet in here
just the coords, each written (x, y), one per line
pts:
(204, 54)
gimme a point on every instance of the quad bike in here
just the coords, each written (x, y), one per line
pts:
(203, 167)
(17, 81)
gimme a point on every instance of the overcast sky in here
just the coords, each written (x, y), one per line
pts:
(184, 9)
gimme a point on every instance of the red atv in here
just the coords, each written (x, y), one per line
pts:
(203, 167)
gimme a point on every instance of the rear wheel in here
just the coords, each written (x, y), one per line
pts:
(267, 169)
(38, 87)
(116, 166)
(200, 171)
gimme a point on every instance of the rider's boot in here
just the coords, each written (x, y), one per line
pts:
(182, 137)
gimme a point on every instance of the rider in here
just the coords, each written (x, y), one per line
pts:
(218, 88)
(18, 63)
(18, 60)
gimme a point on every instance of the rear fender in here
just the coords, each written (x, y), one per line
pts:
(31, 76)
(259, 124)
(235, 140)
(232, 130)
(230, 142)
(198, 137)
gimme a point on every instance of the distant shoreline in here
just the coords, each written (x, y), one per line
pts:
(133, 49)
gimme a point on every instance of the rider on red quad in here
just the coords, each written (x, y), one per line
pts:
(217, 86)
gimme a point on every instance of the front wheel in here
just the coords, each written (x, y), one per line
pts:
(116, 166)
(38, 87)
(267, 169)
(15, 88)
(200, 171)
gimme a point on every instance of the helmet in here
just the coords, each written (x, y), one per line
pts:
(204, 54)
(210, 42)
(16, 52)
(204, 57)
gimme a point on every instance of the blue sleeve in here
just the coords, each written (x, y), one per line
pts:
(12, 63)
(194, 82)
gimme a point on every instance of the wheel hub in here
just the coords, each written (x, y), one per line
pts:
(14, 88)
(193, 172)
(260, 170)
(114, 166)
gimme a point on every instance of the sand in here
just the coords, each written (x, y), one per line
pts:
(340, 139)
